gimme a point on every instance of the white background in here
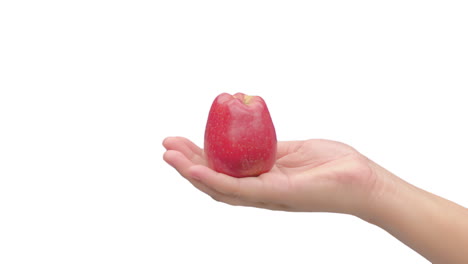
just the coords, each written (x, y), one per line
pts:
(89, 89)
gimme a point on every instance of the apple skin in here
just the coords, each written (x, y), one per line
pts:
(240, 139)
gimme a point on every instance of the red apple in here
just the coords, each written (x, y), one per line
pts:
(240, 139)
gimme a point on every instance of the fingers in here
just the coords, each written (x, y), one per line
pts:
(183, 165)
(179, 161)
(186, 147)
(177, 142)
(246, 189)
(181, 144)
(187, 159)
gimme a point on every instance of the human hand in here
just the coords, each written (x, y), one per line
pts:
(310, 175)
(328, 176)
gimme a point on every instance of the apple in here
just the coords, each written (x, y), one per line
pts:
(240, 139)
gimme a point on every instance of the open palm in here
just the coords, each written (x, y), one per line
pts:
(310, 175)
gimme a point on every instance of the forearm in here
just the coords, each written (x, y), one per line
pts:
(434, 227)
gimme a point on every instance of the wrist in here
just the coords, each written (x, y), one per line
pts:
(383, 197)
(432, 226)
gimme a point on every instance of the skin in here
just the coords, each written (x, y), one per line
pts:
(328, 176)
